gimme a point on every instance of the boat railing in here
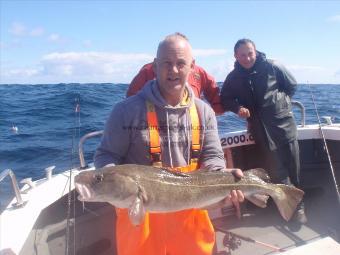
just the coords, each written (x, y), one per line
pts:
(10, 173)
(302, 108)
(81, 142)
(97, 133)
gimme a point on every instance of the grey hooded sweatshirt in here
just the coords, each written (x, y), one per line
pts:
(126, 135)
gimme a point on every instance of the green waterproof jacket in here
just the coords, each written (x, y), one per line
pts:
(266, 90)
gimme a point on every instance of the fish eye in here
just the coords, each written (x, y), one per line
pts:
(99, 177)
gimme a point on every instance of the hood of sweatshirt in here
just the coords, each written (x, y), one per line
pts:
(152, 93)
(126, 136)
(174, 123)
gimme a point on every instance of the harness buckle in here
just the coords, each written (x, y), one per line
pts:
(155, 157)
(195, 154)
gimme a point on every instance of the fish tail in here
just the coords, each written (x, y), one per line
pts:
(286, 199)
(258, 199)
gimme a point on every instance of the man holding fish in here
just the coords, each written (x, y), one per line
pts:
(153, 144)
(165, 125)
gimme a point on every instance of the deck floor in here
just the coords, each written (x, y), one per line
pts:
(267, 226)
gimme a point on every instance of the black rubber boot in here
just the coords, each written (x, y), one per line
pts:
(300, 216)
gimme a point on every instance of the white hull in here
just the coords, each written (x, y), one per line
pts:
(17, 224)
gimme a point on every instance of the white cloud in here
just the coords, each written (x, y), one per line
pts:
(54, 37)
(93, 57)
(38, 31)
(87, 43)
(335, 18)
(17, 29)
(220, 69)
(91, 63)
(97, 67)
(208, 52)
(305, 68)
(314, 74)
(80, 67)
(26, 72)
(11, 45)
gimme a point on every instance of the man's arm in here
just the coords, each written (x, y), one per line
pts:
(228, 98)
(115, 140)
(286, 80)
(144, 75)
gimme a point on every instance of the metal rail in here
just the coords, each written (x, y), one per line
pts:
(10, 173)
(302, 108)
(336, 186)
(81, 142)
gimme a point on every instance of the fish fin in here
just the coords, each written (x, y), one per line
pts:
(142, 194)
(286, 199)
(137, 211)
(257, 172)
(258, 199)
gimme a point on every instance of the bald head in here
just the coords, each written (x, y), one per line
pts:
(176, 40)
(172, 66)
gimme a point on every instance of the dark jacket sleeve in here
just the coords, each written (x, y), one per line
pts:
(228, 97)
(287, 81)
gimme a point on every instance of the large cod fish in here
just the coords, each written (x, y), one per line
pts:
(148, 189)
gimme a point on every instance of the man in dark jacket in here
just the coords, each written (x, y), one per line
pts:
(260, 90)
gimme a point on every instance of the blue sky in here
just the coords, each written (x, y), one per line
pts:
(108, 41)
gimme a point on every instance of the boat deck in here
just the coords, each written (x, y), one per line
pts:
(268, 227)
(92, 227)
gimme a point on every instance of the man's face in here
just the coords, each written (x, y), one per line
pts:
(246, 55)
(173, 65)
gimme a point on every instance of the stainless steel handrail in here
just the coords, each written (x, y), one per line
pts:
(302, 108)
(15, 186)
(81, 142)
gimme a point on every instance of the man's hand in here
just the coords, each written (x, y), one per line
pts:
(236, 196)
(243, 113)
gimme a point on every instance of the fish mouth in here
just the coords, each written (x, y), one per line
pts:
(85, 192)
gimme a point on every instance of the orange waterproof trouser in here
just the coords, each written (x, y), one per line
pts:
(187, 232)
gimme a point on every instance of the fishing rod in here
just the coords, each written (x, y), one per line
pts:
(325, 145)
(75, 135)
(234, 244)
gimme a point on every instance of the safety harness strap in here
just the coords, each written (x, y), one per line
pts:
(195, 141)
(155, 146)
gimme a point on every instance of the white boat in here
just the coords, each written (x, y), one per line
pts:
(44, 217)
